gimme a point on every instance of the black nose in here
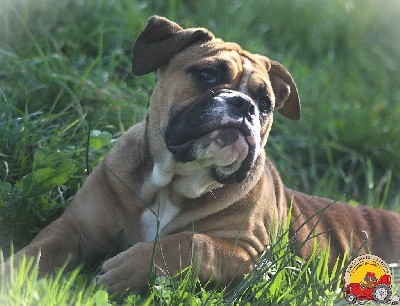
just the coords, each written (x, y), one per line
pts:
(240, 104)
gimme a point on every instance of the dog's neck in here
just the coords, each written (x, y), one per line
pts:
(169, 185)
(184, 180)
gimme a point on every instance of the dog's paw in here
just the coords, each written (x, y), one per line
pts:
(127, 271)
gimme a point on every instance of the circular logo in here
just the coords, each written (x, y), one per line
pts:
(367, 277)
(362, 265)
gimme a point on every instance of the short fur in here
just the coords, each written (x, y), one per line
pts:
(217, 196)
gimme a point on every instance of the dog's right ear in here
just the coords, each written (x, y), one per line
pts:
(160, 41)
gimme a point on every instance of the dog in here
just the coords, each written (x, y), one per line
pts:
(191, 184)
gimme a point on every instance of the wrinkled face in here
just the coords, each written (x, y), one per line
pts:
(219, 111)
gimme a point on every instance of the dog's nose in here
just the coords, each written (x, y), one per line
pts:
(241, 105)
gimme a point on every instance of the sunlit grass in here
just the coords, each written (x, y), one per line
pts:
(280, 278)
(24, 288)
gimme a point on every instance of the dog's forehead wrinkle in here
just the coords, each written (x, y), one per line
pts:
(218, 44)
(246, 74)
(214, 51)
(224, 60)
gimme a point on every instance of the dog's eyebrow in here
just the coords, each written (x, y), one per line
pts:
(217, 63)
(224, 67)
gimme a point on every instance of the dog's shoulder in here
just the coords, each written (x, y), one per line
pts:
(131, 148)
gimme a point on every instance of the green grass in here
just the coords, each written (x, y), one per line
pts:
(65, 78)
(26, 289)
(279, 279)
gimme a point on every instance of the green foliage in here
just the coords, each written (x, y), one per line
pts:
(33, 187)
(25, 288)
(99, 139)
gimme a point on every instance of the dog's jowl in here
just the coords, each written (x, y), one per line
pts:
(194, 173)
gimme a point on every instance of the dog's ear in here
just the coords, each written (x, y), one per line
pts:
(287, 100)
(160, 41)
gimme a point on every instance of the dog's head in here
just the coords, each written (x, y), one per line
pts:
(213, 106)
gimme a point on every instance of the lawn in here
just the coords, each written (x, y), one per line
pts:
(67, 94)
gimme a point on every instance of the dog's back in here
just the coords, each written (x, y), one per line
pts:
(347, 227)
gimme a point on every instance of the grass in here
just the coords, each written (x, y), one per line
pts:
(279, 279)
(26, 289)
(65, 78)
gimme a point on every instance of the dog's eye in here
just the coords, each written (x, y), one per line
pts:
(207, 75)
(265, 104)
(264, 100)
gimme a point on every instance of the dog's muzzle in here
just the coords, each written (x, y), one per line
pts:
(223, 129)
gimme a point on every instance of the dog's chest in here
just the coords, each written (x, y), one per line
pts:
(160, 213)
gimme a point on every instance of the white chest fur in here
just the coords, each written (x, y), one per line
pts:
(158, 215)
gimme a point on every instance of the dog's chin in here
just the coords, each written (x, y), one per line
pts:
(228, 153)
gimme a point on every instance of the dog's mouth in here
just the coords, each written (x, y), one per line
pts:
(181, 142)
(226, 138)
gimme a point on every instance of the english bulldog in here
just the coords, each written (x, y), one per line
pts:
(191, 184)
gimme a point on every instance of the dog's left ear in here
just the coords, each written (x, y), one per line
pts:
(287, 100)
(160, 41)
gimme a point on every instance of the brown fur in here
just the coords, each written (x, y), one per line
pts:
(221, 227)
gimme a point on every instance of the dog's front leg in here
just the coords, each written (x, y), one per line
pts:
(59, 244)
(218, 259)
(56, 245)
